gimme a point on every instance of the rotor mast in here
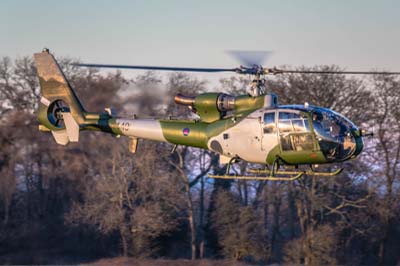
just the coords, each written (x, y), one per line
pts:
(258, 85)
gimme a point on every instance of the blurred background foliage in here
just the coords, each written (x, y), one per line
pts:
(93, 199)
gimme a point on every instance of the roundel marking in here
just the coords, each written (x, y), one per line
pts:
(186, 131)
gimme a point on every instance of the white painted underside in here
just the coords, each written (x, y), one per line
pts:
(245, 140)
(141, 128)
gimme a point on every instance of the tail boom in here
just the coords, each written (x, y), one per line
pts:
(137, 128)
(61, 112)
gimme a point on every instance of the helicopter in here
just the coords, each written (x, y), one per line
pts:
(251, 127)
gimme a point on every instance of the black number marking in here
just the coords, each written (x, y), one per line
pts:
(124, 126)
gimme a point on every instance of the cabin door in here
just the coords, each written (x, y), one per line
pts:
(294, 132)
(269, 137)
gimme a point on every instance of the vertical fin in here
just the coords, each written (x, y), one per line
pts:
(58, 101)
(55, 86)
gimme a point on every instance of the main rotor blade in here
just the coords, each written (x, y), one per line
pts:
(279, 71)
(250, 58)
(189, 69)
(242, 70)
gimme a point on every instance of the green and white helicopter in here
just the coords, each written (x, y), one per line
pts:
(251, 127)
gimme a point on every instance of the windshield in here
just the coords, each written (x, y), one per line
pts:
(334, 134)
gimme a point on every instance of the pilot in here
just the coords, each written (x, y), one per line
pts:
(317, 123)
(335, 129)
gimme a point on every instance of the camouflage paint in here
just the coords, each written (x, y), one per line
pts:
(303, 157)
(199, 132)
(245, 103)
(173, 131)
(206, 107)
(54, 87)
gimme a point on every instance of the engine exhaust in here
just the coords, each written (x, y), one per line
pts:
(184, 100)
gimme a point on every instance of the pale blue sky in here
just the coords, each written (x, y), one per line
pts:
(354, 34)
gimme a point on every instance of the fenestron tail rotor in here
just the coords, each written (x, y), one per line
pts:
(55, 111)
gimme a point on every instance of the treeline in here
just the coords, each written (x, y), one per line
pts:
(94, 199)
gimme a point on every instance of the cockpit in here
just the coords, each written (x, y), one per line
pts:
(334, 133)
(307, 129)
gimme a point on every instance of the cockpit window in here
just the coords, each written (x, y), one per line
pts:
(331, 124)
(334, 133)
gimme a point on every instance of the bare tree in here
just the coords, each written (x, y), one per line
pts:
(385, 155)
(132, 197)
(240, 233)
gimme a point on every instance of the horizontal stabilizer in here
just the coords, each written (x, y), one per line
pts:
(60, 136)
(70, 133)
(71, 126)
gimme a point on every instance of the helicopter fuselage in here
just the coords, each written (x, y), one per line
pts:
(294, 134)
(253, 128)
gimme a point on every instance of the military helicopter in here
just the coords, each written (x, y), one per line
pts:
(251, 127)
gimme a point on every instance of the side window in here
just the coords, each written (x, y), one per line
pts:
(302, 142)
(294, 131)
(287, 116)
(300, 125)
(285, 123)
(269, 122)
(285, 126)
(292, 122)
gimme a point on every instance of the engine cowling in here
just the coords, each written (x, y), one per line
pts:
(209, 106)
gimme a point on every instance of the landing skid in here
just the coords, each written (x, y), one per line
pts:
(311, 172)
(269, 178)
(273, 175)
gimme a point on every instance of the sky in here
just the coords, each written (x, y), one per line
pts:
(354, 34)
